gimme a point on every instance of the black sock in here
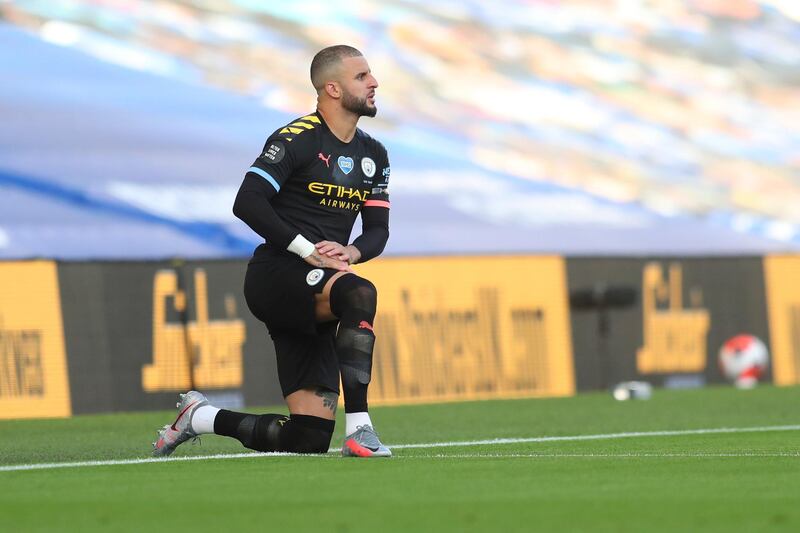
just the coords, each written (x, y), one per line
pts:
(306, 434)
(257, 432)
(276, 433)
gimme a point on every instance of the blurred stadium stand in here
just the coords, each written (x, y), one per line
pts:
(592, 127)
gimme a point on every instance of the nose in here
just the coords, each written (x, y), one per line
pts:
(373, 83)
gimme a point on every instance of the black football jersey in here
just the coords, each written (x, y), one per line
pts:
(321, 183)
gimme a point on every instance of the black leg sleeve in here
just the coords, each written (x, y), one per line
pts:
(354, 301)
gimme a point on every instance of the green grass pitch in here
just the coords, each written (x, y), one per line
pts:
(736, 481)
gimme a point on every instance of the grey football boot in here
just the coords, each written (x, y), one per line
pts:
(364, 442)
(170, 436)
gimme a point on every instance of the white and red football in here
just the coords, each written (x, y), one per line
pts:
(743, 359)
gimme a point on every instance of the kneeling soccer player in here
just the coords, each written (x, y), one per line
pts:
(302, 195)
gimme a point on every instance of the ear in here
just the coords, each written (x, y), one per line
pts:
(333, 90)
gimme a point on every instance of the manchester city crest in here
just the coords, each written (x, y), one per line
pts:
(368, 167)
(314, 276)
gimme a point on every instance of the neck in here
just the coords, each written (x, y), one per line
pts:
(342, 123)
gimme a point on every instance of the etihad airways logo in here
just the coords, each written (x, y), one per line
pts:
(338, 195)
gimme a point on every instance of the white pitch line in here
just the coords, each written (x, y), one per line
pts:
(563, 438)
(143, 460)
(622, 455)
(668, 433)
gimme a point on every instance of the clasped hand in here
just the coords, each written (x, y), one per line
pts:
(331, 254)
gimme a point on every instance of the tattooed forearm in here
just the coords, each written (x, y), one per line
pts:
(330, 400)
(317, 259)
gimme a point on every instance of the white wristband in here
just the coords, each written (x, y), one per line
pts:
(301, 246)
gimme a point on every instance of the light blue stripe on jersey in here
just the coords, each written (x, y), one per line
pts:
(266, 176)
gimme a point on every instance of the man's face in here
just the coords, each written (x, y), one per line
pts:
(358, 87)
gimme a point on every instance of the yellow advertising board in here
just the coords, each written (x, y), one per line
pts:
(33, 365)
(470, 328)
(782, 281)
(674, 334)
(212, 349)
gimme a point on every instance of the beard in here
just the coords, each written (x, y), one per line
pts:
(359, 106)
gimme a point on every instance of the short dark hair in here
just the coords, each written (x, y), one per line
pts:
(327, 58)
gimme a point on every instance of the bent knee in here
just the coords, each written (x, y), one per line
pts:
(307, 434)
(353, 292)
(316, 441)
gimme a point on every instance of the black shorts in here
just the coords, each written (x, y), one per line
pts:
(279, 288)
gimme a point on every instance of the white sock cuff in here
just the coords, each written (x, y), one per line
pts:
(203, 419)
(353, 420)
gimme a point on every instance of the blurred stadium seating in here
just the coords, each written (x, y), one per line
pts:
(581, 127)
